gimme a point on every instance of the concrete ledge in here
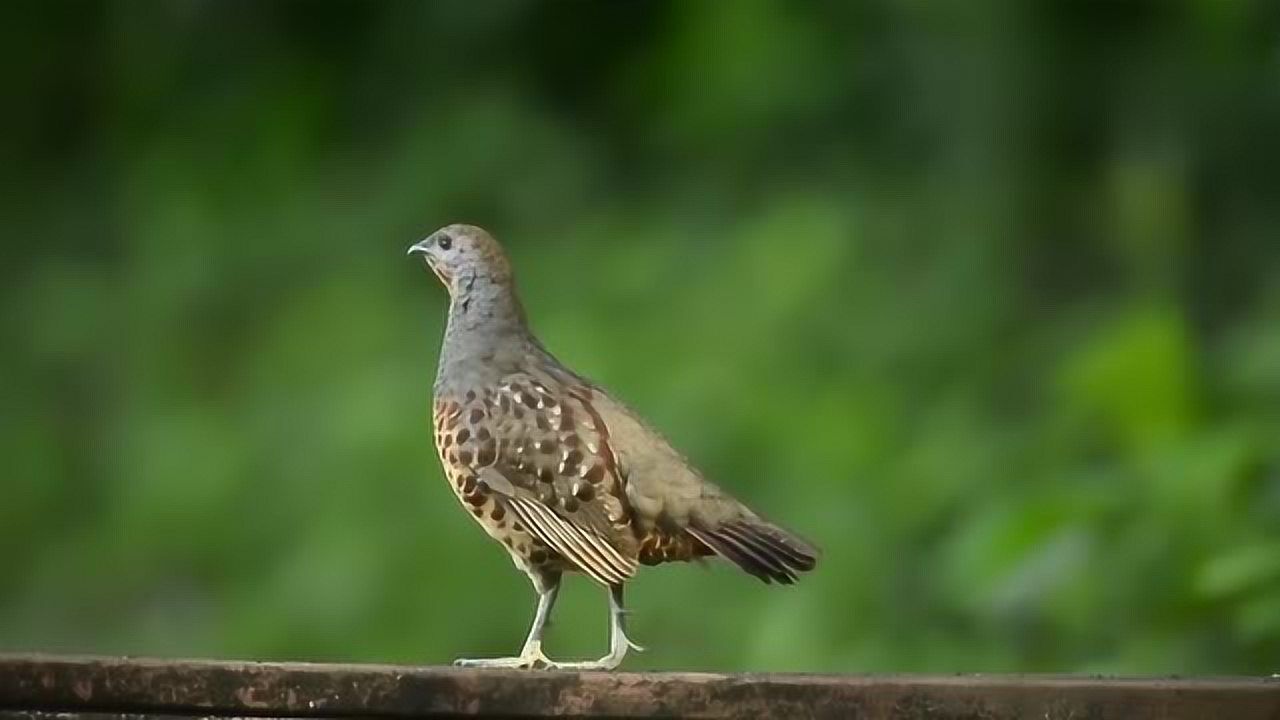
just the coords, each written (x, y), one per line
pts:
(88, 688)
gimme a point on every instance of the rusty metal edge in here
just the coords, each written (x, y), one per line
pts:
(87, 685)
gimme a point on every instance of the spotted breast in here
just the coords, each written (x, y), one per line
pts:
(535, 468)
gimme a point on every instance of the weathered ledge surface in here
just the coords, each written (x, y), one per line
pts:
(34, 687)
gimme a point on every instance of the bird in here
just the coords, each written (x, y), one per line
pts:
(558, 470)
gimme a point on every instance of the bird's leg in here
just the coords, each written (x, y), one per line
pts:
(618, 623)
(548, 588)
(619, 643)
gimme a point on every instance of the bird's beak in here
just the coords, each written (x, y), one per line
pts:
(423, 248)
(419, 248)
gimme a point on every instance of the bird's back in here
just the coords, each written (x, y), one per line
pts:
(674, 512)
(680, 515)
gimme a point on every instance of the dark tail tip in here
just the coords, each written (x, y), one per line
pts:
(760, 548)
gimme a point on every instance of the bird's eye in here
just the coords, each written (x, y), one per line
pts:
(445, 242)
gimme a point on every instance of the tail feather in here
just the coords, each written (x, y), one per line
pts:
(733, 551)
(760, 548)
(771, 558)
(802, 555)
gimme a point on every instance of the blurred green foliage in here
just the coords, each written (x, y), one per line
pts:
(981, 296)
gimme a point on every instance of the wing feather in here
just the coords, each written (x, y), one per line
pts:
(590, 553)
(546, 451)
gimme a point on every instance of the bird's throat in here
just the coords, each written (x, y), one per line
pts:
(485, 317)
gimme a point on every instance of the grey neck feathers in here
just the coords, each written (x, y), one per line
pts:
(487, 335)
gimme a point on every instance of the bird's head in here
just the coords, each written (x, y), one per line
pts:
(461, 254)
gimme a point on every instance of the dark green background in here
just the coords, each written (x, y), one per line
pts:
(982, 296)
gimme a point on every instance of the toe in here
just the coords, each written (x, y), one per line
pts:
(511, 662)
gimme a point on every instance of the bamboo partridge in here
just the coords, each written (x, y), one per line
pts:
(557, 470)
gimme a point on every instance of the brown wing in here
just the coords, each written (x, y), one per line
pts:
(681, 516)
(547, 457)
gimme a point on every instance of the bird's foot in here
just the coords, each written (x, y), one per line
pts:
(539, 661)
(532, 657)
(608, 662)
(527, 661)
(611, 661)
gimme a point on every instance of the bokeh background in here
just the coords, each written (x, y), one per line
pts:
(984, 297)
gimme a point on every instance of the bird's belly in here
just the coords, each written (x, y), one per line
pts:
(527, 552)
